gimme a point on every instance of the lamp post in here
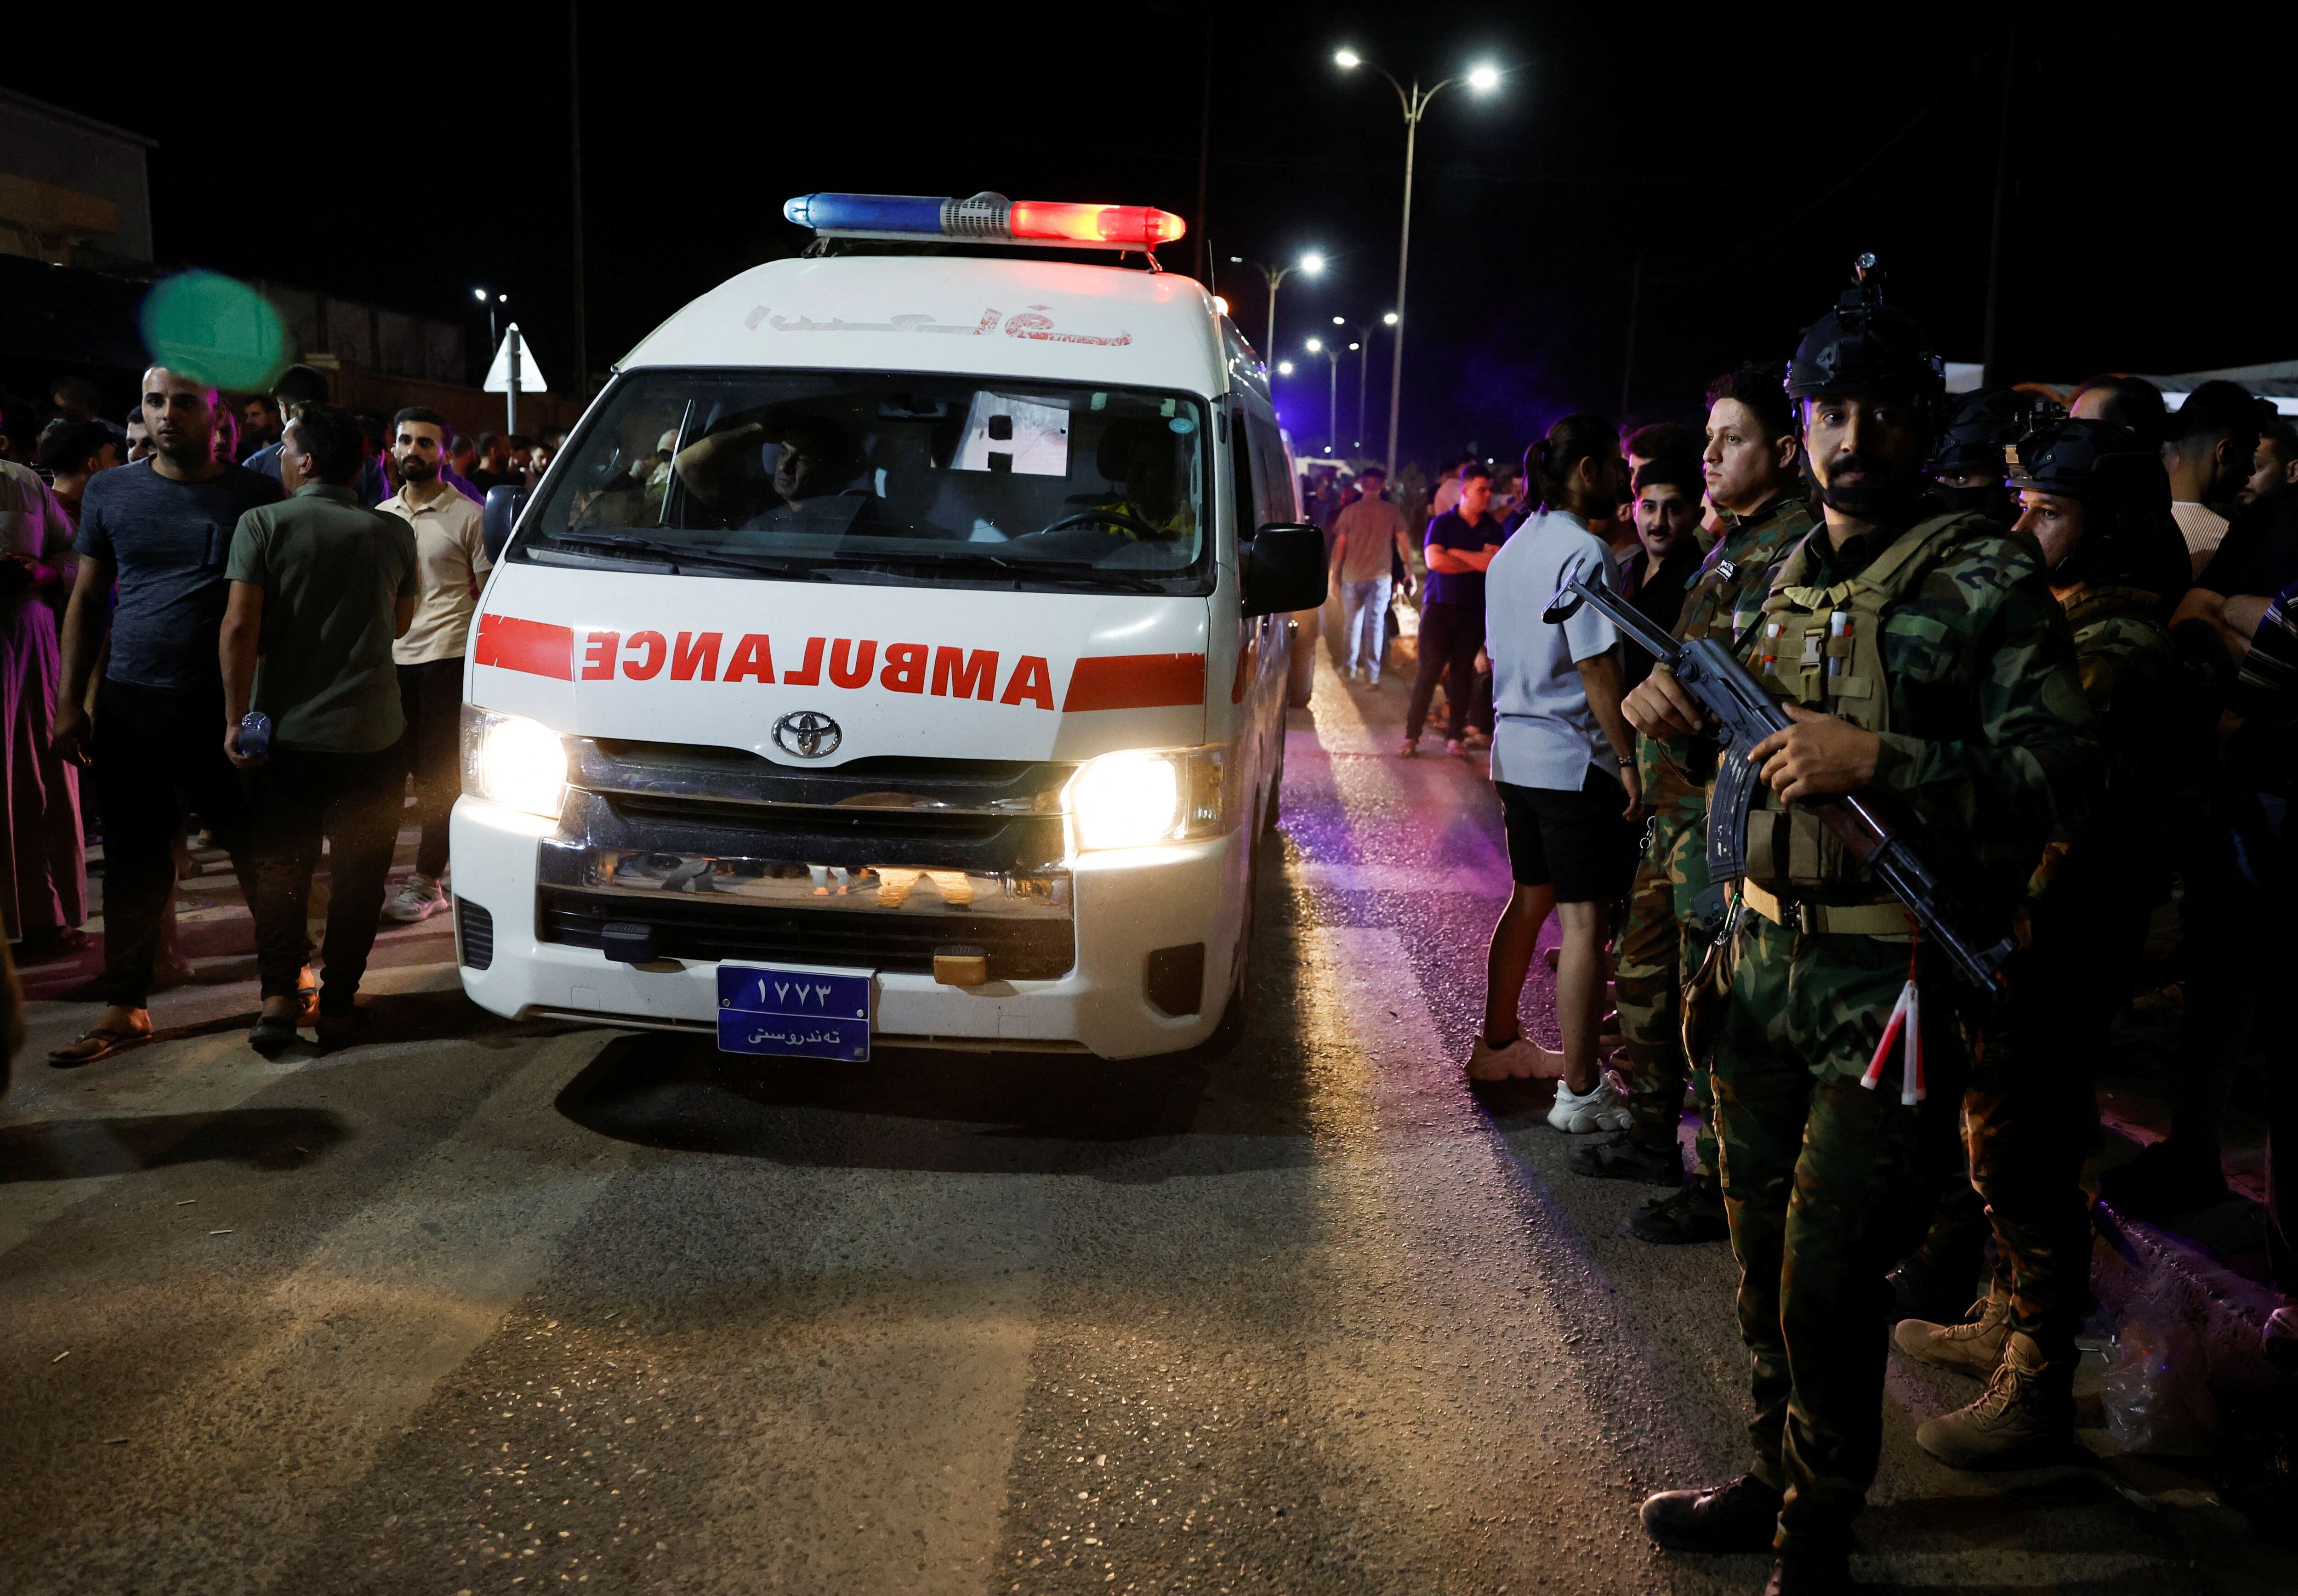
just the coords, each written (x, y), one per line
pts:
(490, 302)
(1311, 263)
(1483, 78)
(1317, 346)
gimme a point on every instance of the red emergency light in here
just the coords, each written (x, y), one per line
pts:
(989, 217)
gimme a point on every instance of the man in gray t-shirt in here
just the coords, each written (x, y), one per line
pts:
(160, 528)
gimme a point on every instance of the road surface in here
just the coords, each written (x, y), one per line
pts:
(482, 1307)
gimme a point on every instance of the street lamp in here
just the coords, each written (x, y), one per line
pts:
(1285, 368)
(1317, 346)
(1311, 263)
(1482, 78)
(481, 295)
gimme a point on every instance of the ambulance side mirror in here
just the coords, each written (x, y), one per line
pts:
(1283, 570)
(498, 515)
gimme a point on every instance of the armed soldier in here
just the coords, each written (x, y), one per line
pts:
(1927, 669)
(2096, 500)
(1753, 480)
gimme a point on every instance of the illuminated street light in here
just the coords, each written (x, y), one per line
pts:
(1388, 319)
(1482, 78)
(1312, 261)
(1285, 368)
(1317, 346)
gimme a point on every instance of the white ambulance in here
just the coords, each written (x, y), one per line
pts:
(896, 652)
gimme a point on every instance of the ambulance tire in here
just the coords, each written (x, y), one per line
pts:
(1238, 1009)
(1272, 810)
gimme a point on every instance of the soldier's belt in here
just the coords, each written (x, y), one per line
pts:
(1886, 922)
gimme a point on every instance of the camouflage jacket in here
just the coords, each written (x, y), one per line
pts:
(1677, 770)
(2147, 731)
(1991, 751)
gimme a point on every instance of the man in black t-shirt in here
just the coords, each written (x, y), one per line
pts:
(161, 528)
(1667, 525)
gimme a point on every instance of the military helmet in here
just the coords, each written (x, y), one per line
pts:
(1979, 431)
(1864, 346)
(2088, 459)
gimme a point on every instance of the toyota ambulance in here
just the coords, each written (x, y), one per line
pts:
(896, 653)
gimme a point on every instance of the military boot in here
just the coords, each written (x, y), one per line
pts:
(1973, 1347)
(2026, 1415)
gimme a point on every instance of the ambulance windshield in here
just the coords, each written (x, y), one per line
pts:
(885, 478)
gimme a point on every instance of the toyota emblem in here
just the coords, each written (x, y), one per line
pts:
(807, 734)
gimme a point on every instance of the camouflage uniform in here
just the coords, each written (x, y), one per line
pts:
(1986, 751)
(1662, 940)
(2031, 1113)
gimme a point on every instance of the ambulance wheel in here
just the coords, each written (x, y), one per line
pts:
(1238, 1008)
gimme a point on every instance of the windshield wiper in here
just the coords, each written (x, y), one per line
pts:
(681, 556)
(1068, 572)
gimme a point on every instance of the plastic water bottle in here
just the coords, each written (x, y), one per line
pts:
(254, 734)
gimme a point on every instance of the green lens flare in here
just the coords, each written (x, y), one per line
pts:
(215, 329)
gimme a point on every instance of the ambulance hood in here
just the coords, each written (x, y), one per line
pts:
(813, 676)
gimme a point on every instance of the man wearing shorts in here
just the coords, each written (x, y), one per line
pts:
(1562, 763)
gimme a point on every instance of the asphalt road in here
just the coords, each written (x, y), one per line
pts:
(485, 1308)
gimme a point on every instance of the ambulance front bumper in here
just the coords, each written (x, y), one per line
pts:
(1127, 904)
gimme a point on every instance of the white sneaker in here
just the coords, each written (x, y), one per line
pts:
(1578, 1114)
(418, 898)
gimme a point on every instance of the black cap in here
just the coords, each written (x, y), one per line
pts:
(1864, 346)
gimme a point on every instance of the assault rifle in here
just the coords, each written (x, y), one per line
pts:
(1744, 715)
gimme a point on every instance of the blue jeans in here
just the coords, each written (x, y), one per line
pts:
(1364, 609)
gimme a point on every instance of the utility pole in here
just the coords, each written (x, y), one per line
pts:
(1628, 365)
(2002, 203)
(1204, 157)
(510, 424)
(575, 129)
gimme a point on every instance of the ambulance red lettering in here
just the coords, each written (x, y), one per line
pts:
(752, 659)
(691, 653)
(1031, 683)
(655, 646)
(863, 655)
(905, 669)
(809, 675)
(959, 674)
(599, 655)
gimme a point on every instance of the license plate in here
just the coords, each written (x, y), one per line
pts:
(793, 1013)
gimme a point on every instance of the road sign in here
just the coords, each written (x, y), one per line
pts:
(530, 375)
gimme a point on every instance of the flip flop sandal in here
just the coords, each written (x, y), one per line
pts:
(113, 1041)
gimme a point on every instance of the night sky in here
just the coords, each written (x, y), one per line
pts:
(1744, 155)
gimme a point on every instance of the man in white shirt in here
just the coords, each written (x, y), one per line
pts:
(2209, 449)
(451, 559)
(1563, 764)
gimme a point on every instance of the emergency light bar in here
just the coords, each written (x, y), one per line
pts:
(985, 218)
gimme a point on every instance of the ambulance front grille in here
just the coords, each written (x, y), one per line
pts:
(687, 928)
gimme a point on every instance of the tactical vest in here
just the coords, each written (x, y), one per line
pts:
(1823, 647)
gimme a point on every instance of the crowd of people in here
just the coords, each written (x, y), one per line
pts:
(283, 567)
(2051, 646)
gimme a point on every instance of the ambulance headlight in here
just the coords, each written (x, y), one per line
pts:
(1143, 797)
(511, 760)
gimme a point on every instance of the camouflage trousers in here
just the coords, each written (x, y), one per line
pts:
(2031, 1117)
(1817, 1173)
(1658, 948)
